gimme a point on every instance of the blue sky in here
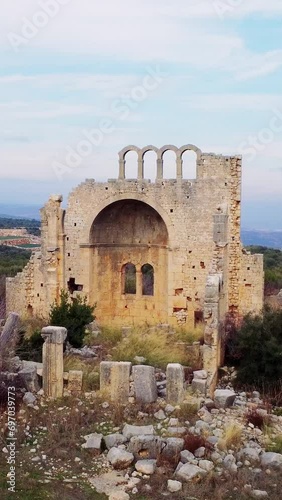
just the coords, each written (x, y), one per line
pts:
(72, 67)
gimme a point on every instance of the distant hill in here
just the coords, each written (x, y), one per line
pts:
(19, 211)
(271, 239)
(32, 225)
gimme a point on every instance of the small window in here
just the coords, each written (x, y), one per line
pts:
(147, 279)
(129, 279)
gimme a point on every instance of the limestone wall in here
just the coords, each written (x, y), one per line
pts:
(26, 293)
(186, 229)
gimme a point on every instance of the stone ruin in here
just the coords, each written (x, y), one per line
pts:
(162, 252)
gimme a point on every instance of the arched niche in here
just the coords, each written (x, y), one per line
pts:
(125, 236)
(129, 222)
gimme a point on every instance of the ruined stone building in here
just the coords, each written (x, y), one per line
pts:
(167, 251)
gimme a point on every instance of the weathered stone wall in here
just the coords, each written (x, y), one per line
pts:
(25, 293)
(187, 230)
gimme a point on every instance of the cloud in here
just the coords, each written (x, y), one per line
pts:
(233, 102)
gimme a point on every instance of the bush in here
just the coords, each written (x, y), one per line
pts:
(30, 349)
(257, 419)
(74, 315)
(275, 444)
(257, 349)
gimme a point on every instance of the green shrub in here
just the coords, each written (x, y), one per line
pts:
(258, 349)
(74, 315)
(30, 349)
(275, 445)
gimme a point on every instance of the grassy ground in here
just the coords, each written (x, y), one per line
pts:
(54, 433)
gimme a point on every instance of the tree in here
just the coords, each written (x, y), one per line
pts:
(259, 349)
(74, 315)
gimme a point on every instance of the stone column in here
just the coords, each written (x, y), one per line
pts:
(175, 383)
(53, 363)
(140, 169)
(160, 169)
(145, 384)
(121, 169)
(179, 168)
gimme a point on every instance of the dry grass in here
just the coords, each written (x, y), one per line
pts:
(31, 325)
(232, 437)
(90, 369)
(156, 346)
(108, 338)
(189, 335)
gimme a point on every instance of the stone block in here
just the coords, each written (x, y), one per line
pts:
(120, 459)
(29, 378)
(224, 398)
(188, 472)
(175, 383)
(138, 430)
(145, 446)
(172, 447)
(114, 379)
(199, 385)
(147, 467)
(114, 440)
(145, 384)
(93, 442)
(75, 381)
(200, 374)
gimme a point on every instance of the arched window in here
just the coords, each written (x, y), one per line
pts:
(147, 279)
(129, 279)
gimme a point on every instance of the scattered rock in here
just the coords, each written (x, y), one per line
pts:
(147, 467)
(93, 441)
(187, 472)
(135, 430)
(29, 398)
(224, 398)
(114, 440)
(270, 459)
(160, 415)
(120, 459)
(174, 486)
(147, 446)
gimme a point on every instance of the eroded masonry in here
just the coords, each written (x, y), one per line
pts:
(167, 251)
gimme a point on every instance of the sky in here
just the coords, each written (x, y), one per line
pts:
(81, 79)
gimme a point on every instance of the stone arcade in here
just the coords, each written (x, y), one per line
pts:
(167, 251)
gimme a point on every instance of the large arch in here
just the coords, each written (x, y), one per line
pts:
(129, 222)
(128, 231)
(142, 197)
